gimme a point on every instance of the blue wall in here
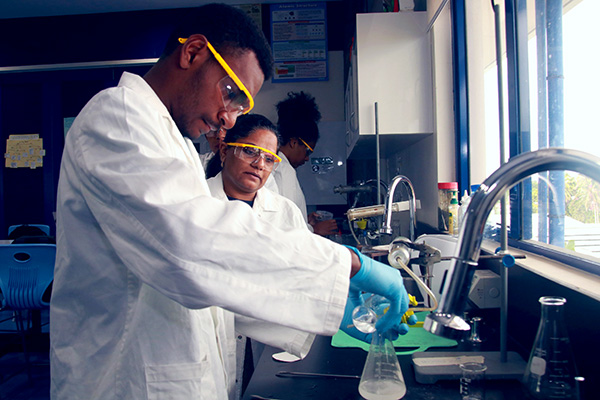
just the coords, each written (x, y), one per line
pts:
(37, 102)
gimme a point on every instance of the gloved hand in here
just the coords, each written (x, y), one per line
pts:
(378, 278)
(355, 299)
(409, 317)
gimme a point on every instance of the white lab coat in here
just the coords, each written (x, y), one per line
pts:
(143, 252)
(284, 214)
(205, 158)
(269, 206)
(288, 185)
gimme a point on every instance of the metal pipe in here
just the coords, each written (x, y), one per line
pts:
(341, 189)
(377, 155)
(504, 202)
(542, 73)
(386, 228)
(556, 206)
(447, 321)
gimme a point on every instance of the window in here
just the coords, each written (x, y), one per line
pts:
(555, 93)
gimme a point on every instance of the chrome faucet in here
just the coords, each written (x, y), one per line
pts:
(386, 228)
(446, 320)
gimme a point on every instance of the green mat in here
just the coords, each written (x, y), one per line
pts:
(417, 339)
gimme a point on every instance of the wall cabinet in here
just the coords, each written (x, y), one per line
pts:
(390, 65)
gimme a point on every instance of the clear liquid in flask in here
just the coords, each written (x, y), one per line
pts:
(382, 377)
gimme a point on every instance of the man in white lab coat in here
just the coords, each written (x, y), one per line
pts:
(148, 263)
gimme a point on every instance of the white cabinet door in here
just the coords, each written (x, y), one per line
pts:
(393, 68)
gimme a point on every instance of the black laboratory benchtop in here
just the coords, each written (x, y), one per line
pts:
(324, 358)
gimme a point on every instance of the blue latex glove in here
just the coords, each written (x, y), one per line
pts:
(378, 278)
(355, 299)
(403, 328)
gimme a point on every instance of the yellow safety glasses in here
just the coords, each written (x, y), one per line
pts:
(253, 153)
(309, 149)
(236, 98)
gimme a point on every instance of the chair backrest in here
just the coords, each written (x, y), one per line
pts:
(44, 228)
(26, 271)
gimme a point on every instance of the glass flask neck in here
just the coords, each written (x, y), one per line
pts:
(552, 307)
(552, 301)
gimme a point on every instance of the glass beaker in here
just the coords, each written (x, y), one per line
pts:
(382, 378)
(472, 381)
(365, 316)
(551, 371)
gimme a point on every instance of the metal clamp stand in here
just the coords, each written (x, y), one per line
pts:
(429, 367)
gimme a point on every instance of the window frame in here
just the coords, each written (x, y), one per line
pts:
(519, 133)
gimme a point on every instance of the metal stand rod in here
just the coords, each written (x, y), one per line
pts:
(377, 155)
(503, 203)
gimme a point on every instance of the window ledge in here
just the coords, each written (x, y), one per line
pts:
(563, 274)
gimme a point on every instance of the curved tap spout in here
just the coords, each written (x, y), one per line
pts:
(412, 204)
(446, 321)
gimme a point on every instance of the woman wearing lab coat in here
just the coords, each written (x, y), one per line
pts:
(243, 175)
(297, 122)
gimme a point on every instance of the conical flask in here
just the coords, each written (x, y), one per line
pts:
(551, 371)
(382, 377)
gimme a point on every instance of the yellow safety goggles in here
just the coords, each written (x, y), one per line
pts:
(309, 149)
(236, 98)
(253, 153)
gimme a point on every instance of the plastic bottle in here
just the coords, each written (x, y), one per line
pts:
(445, 190)
(453, 216)
(464, 204)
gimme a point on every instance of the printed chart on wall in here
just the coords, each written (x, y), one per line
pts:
(299, 40)
(24, 151)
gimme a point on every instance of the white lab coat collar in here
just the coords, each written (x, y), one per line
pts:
(265, 199)
(142, 88)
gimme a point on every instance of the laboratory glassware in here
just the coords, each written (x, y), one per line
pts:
(551, 370)
(382, 378)
(476, 323)
(365, 316)
(472, 381)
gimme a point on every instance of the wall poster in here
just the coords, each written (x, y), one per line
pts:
(299, 41)
(24, 151)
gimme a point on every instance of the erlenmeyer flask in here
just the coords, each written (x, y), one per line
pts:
(382, 377)
(551, 371)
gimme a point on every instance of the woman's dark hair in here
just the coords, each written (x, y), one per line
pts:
(298, 117)
(228, 29)
(244, 126)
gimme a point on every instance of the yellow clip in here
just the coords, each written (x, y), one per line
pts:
(362, 224)
(412, 300)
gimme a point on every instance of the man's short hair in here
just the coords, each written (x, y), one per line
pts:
(228, 29)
